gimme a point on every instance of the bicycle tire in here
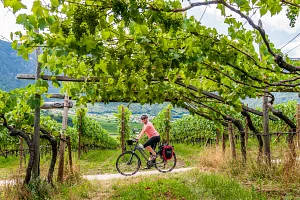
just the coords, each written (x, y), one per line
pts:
(123, 162)
(165, 166)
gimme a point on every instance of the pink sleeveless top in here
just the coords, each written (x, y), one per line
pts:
(150, 130)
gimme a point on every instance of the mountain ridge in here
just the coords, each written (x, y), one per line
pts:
(10, 65)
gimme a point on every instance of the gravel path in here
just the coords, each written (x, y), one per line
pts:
(112, 176)
(3, 182)
(116, 176)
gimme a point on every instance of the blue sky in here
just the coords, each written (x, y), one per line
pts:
(277, 27)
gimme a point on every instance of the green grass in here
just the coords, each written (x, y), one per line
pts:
(189, 154)
(111, 125)
(135, 125)
(221, 187)
(154, 189)
(103, 161)
(8, 166)
(98, 161)
(73, 188)
(188, 185)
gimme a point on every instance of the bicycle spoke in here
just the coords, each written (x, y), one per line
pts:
(165, 165)
(128, 163)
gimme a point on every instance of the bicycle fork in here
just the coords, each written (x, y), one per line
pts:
(130, 160)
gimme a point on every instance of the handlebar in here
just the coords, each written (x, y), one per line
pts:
(131, 141)
(135, 140)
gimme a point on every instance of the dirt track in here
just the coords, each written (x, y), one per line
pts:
(112, 176)
(116, 176)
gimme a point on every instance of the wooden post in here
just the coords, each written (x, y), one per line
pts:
(246, 131)
(217, 137)
(36, 129)
(70, 154)
(79, 132)
(63, 140)
(167, 125)
(298, 125)
(122, 130)
(266, 136)
(21, 152)
(235, 135)
(231, 140)
(223, 143)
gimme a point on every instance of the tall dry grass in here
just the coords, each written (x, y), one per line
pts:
(41, 189)
(282, 178)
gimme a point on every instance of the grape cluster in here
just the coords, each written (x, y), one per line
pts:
(170, 22)
(167, 20)
(89, 61)
(120, 9)
(91, 17)
(85, 20)
(77, 28)
(292, 14)
(65, 29)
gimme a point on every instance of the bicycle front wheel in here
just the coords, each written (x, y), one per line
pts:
(165, 165)
(128, 163)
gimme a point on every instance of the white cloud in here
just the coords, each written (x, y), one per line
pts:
(8, 19)
(280, 23)
(294, 53)
(7, 22)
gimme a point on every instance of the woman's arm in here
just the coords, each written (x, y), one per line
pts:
(142, 132)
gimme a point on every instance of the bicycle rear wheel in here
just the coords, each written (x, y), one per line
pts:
(165, 165)
(128, 163)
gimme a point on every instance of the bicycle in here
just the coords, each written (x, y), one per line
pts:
(129, 163)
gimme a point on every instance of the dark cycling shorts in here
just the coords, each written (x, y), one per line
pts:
(152, 142)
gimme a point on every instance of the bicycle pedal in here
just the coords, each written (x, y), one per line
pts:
(149, 164)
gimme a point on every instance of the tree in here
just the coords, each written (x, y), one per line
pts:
(16, 116)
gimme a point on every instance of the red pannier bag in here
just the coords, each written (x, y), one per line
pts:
(167, 152)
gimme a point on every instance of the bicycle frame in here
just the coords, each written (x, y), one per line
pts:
(143, 153)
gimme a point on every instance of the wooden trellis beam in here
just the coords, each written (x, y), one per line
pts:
(58, 78)
(55, 105)
(95, 79)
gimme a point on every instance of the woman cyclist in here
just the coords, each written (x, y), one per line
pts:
(153, 136)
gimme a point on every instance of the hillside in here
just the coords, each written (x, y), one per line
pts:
(279, 98)
(10, 65)
(136, 109)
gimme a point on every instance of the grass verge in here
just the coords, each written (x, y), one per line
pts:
(188, 185)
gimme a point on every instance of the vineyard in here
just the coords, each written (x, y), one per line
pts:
(150, 52)
(190, 129)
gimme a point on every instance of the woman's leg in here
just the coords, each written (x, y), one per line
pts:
(149, 148)
(151, 143)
